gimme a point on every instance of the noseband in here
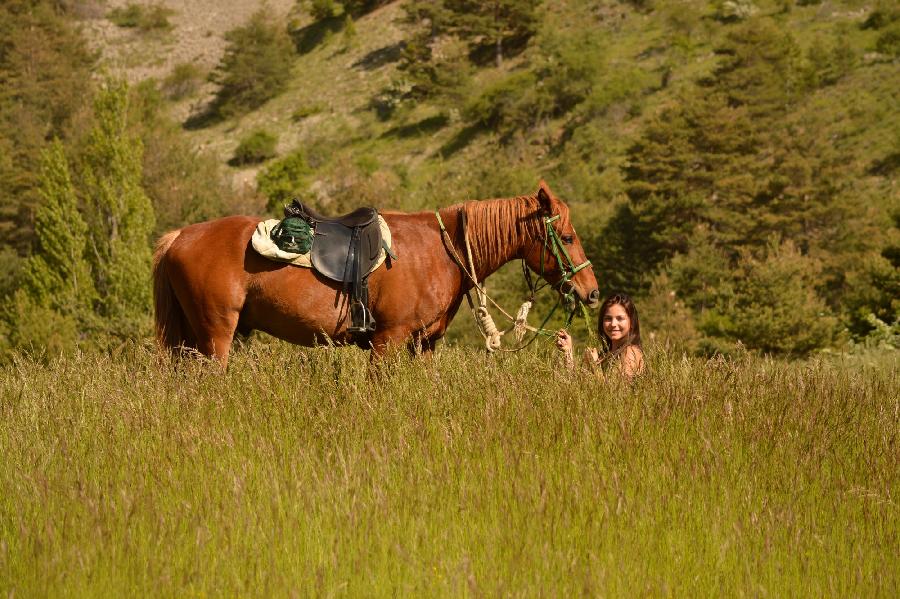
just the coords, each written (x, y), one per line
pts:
(553, 244)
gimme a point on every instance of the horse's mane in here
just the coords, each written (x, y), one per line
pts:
(494, 225)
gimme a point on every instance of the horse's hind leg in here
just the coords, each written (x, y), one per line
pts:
(214, 336)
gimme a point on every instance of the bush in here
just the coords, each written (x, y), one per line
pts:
(255, 148)
(776, 309)
(889, 41)
(284, 179)
(322, 9)
(306, 111)
(255, 68)
(183, 81)
(145, 18)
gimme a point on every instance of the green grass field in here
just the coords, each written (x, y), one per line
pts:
(290, 475)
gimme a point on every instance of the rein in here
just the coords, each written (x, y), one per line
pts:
(551, 243)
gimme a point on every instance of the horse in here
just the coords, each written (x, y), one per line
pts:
(208, 282)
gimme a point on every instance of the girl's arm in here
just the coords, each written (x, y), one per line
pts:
(632, 363)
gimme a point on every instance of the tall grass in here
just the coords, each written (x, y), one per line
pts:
(294, 474)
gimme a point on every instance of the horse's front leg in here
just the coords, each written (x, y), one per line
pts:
(388, 341)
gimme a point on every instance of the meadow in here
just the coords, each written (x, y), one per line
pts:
(294, 474)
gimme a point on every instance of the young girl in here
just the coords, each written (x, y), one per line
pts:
(620, 334)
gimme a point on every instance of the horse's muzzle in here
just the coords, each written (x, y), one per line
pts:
(593, 299)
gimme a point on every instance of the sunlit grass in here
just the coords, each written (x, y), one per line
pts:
(293, 473)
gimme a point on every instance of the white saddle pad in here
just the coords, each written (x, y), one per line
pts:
(263, 244)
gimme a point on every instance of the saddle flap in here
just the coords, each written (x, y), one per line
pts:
(336, 252)
(332, 252)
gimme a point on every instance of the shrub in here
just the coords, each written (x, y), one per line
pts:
(145, 18)
(776, 308)
(255, 148)
(322, 9)
(255, 68)
(183, 81)
(889, 41)
(306, 111)
(284, 179)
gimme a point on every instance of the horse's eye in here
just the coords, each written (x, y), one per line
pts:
(567, 239)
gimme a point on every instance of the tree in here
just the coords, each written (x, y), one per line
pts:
(496, 26)
(256, 66)
(776, 308)
(729, 157)
(56, 294)
(57, 275)
(45, 79)
(120, 216)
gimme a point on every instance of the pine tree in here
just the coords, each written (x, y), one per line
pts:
(45, 79)
(495, 26)
(57, 274)
(119, 214)
(55, 299)
(256, 66)
(776, 308)
(729, 157)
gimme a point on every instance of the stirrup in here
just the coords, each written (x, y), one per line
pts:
(361, 320)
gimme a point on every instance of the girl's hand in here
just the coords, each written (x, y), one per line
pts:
(564, 341)
(591, 357)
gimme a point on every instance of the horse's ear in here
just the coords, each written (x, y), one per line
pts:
(546, 198)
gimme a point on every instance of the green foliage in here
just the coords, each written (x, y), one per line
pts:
(256, 66)
(120, 216)
(57, 274)
(56, 295)
(37, 330)
(258, 146)
(889, 40)
(284, 179)
(322, 9)
(883, 335)
(495, 27)
(153, 17)
(776, 308)
(184, 81)
(184, 185)
(827, 65)
(46, 73)
(884, 13)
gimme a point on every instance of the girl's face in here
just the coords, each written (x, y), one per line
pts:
(616, 324)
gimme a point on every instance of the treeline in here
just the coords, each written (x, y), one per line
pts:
(731, 166)
(752, 205)
(90, 172)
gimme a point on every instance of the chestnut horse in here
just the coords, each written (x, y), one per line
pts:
(208, 282)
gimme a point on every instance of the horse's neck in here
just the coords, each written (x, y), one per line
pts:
(498, 231)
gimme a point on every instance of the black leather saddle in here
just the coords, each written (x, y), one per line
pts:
(358, 218)
(344, 249)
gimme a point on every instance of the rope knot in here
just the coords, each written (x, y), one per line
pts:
(521, 325)
(488, 329)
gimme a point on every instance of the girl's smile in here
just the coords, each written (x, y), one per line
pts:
(616, 324)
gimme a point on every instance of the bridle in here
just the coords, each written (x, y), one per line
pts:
(551, 244)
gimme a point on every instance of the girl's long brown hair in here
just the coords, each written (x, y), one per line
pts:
(634, 335)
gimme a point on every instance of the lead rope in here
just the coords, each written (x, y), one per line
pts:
(483, 318)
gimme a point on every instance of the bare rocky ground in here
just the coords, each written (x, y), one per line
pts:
(196, 36)
(336, 77)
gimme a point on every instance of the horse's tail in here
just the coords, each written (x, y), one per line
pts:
(170, 319)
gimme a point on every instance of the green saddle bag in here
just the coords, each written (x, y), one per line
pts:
(293, 234)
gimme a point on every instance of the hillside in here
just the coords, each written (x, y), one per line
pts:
(396, 107)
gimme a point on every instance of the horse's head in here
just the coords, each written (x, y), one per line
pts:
(557, 255)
